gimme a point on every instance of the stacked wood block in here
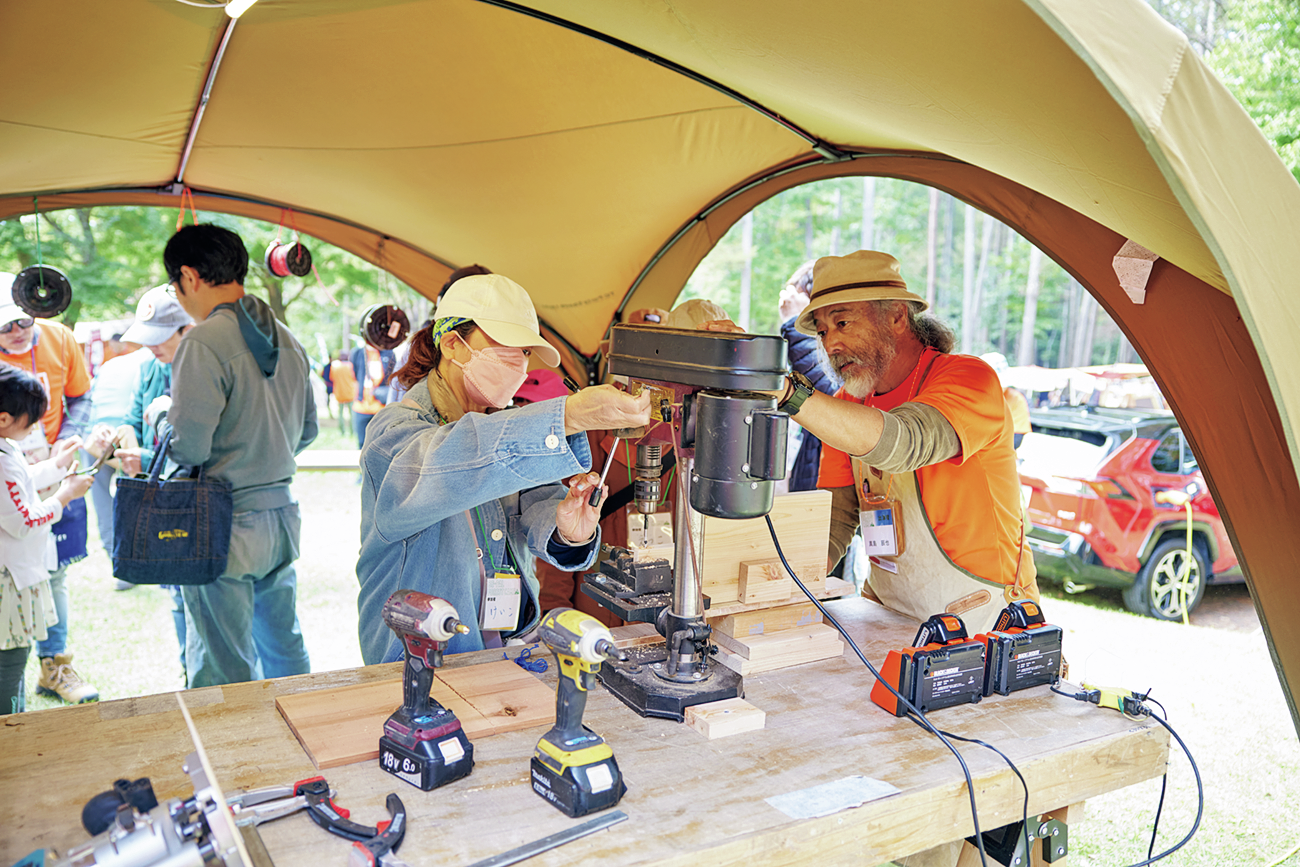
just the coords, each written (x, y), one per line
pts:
(761, 621)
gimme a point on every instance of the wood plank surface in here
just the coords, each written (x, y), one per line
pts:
(802, 521)
(341, 725)
(680, 813)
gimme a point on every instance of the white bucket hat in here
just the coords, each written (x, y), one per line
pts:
(502, 308)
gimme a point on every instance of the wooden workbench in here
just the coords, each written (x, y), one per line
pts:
(690, 800)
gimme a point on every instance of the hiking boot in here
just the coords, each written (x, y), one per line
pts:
(60, 680)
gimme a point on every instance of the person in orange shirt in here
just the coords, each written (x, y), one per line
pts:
(917, 448)
(372, 368)
(1015, 401)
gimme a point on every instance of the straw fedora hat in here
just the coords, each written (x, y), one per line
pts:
(862, 276)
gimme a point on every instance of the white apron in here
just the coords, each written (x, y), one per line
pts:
(923, 580)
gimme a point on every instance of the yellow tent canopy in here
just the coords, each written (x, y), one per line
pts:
(595, 150)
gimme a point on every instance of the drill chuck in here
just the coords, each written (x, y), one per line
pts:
(412, 612)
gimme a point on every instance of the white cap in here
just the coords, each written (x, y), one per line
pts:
(502, 308)
(157, 317)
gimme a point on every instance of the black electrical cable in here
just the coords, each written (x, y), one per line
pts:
(1164, 787)
(1024, 813)
(920, 720)
(1200, 786)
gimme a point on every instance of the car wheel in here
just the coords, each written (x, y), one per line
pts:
(1165, 578)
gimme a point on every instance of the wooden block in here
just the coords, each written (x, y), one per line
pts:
(342, 725)
(635, 635)
(719, 719)
(765, 621)
(779, 650)
(802, 521)
(763, 581)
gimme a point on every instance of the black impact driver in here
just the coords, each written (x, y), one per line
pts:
(423, 742)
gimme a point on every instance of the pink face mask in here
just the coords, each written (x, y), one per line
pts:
(493, 375)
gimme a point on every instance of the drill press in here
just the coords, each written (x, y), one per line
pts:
(573, 768)
(730, 443)
(423, 742)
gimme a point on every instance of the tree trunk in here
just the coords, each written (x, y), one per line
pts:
(1025, 349)
(1084, 327)
(1126, 354)
(1064, 356)
(931, 247)
(746, 267)
(868, 213)
(992, 246)
(808, 251)
(835, 226)
(968, 311)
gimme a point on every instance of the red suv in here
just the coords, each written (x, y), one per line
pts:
(1090, 476)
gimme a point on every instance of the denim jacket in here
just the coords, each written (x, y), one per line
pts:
(422, 477)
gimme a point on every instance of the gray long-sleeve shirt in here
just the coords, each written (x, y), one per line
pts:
(232, 418)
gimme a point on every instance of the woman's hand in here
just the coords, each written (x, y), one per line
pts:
(604, 407)
(574, 519)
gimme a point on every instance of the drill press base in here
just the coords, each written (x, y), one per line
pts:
(650, 695)
(432, 763)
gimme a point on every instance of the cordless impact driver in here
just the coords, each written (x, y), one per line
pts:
(573, 768)
(423, 742)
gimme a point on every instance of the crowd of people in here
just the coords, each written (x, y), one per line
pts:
(496, 511)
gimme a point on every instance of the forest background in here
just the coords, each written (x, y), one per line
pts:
(998, 291)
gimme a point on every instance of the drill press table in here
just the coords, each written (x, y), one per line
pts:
(690, 800)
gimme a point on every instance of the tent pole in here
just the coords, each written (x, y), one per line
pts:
(203, 103)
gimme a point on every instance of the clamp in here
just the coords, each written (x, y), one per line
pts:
(331, 816)
(378, 850)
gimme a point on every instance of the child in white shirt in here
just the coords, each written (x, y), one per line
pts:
(27, 552)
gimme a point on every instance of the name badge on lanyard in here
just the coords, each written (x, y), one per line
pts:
(880, 520)
(502, 595)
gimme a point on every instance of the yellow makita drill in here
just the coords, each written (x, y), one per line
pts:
(573, 768)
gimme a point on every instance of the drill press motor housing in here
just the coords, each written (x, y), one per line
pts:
(423, 742)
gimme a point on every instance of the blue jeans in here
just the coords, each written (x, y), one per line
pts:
(56, 640)
(101, 497)
(359, 423)
(244, 625)
(13, 664)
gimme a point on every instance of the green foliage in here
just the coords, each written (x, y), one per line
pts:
(801, 224)
(112, 255)
(1258, 58)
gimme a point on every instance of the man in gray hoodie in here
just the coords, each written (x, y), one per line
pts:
(242, 409)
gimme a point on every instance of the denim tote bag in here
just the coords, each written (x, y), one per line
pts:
(174, 530)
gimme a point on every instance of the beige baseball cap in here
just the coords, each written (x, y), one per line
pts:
(862, 276)
(502, 308)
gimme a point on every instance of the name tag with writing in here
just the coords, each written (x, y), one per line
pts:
(502, 598)
(880, 522)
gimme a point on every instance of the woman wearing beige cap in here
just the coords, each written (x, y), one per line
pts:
(455, 501)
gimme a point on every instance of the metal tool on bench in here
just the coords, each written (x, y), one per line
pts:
(730, 449)
(572, 767)
(190, 832)
(423, 742)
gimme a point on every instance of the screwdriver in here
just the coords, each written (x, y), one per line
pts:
(609, 461)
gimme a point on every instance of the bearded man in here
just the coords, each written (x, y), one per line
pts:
(917, 448)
